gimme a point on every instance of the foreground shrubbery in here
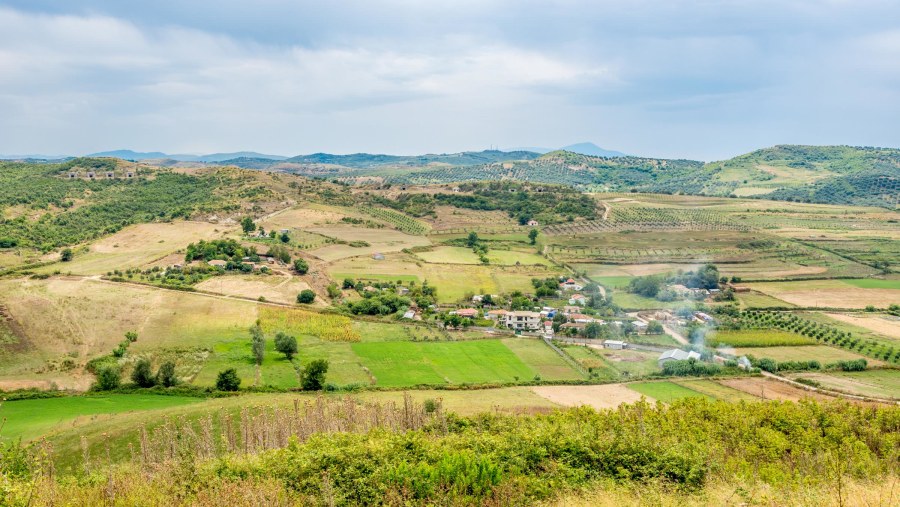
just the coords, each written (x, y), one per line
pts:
(340, 453)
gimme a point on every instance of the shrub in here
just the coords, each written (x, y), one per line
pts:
(301, 266)
(257, 343)
(228, 380)
(306, 296)
(108, 378)
(142, 375)
(166, 375)
(66, 255)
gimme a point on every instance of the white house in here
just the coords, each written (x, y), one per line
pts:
(639, 325)
(615, 344)
(522, 321)
(570, 284)
(578, 299)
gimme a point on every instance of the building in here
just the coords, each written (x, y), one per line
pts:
(578, 299)
(410, 314)
(570, 284)
(533, 223)
(703, 317)
(470, 313)
(218, 263)
(498, 315)
(477, 298)
(744, 363)
(676, 355)
(548, 327)
(615, 344)
(639, 326)
(580, 318)
(378, 256)
(522, 321)
(567, 310)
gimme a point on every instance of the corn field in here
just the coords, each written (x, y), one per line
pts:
(334, 328)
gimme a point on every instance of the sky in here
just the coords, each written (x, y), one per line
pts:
(702, 79)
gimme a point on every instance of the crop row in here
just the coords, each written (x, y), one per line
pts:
(400, 221)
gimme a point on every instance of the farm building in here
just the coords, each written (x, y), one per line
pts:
(703, 317)
(744, 363)
(676, 355)
(615, 344)
(410, 314)
(578, 299)
(466, 312)
(639, 325)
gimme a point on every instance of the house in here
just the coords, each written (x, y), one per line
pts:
(533, 223)
(402, 291)
(548, 327)
(378, 256)
(572, 325)
(580, 318)
(639, 326)
(410, 314)
(497, 315)
(217, 263)
(578, 299)
(615, 344)
(522, 321)
(466, 312)
(676, 355)
(703, 317)
(477, 299)
(570, 284)
(567, 310)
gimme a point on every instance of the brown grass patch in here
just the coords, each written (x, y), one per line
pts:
(877, 323)
(599, 397)
(768, 389)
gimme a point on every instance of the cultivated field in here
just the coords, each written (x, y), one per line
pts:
(666, 392)
(834, 293)
(878, 383)
(276, 288)
(598, 397)
(769, 389)
(379, 240)
(139, 246)
(822, 353)
(885, 325)
(461, 255)
(757, 338)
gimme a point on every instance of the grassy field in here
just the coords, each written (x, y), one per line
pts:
(821, 353)
(28, 419)
(879, 383)
(276, 288)
(757, 338)
(461, 255)
(874, 325)
(760, 300)
(631, 301)
(666, 392)
(379, 240)
(396, 364)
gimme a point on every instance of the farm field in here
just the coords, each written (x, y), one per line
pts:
(276, 288)
(139, 246)
(628, 363)
(380, 241)
(449, 218)
(28, 419)
(879, 383)
(822, 353)
(757, 338)
(303, 217)
(882, 325)
(453, 281)
(832, 293)
(410, 363)
(666, 392)
(769, 389)
(716, 390)
(542, 358)
(461, 255)
(755, 299)
(631, 301)
(599, 397)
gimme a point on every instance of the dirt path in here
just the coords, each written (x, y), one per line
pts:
(606, 209)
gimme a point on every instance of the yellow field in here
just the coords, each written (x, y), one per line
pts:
(462, 255)
(380, 240)
(828, 294)
(881, 324)
(138, 246)
(821, 353)
(301, 217)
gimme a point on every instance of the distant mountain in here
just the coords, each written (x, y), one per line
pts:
(33, 156)
(369, 160)
(157, 155)
(592, 150)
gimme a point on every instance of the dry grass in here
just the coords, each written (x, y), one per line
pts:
(881, 324)
(768, 389)
(828, 294)
(276, 288)
(598, 397)
(380, 240)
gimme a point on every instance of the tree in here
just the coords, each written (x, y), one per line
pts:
(306, 296)
(166, 375)
(108, 379)
(228, 380)
(348, 283)
(285, 238)
(593, 330)
(247, 225)
(142, 375)
(301, 266)
(257, 343)
(654, 327)
(472, 240)
(532, 236)
(313, 376)
(286, 344)
(66, 255)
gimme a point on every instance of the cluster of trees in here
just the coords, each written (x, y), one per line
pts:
(222, 249)
(479, 247)
(654, 286)
(690, 368)
(378, 303)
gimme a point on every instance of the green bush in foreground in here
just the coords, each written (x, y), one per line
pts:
(228, 380)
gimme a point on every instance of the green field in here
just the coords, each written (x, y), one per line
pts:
(396, 364)
(872, 283)
(760, 300)
(29, 419)
(461, 255)
(666, 392)
(757, 338)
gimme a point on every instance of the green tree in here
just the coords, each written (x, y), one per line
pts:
(286, 344)
(654, 327)
(301, 266)
(108, 378)
(142, 375)
(285, 238)
(166, 375)
(313, 376)
(247, 225)
(66, 255)
(306, 296)
(532, 236)
(348, 283)
(257, 343)
(593, 330)
(228, 380)
(472, 240)
(334, 291)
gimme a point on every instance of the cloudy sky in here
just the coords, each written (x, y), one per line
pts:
(703, 79)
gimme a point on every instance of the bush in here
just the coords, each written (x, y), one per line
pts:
(108, 378)
(166, 375)
(306, 297)
(313, 376)
(66, 255)
(228, 380)
(690, 368)
(142, 375)
(301, 266)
